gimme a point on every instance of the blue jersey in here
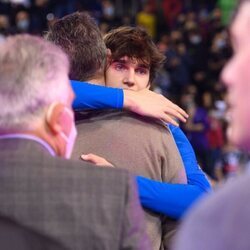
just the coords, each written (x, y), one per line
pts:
(166, 198)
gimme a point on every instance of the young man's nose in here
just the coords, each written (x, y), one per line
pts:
(129, 84)
(129, 79)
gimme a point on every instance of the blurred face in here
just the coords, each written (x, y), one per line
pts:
(236, 76)
(128, 73)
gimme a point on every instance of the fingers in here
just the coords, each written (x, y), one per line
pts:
(95, 159)
(89, 157)
(148, 103)
(177, 115)
(174, 110)
(179, 111)
(173, 114)
(182, 114)
(168, 119)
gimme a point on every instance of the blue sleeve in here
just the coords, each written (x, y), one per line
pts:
(174, 199)
(169, 199)
(90, 96)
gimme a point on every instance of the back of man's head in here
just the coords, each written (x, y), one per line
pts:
(79, 36)
(136, 43)
(33, 75)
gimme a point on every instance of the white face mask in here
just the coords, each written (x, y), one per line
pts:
(70, 140)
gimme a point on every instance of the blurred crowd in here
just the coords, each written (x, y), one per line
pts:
(193, 37)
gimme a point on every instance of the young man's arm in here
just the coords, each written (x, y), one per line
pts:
(90, 96)
(144, 102)
(170, 199)
(157, 196)
(174, 199)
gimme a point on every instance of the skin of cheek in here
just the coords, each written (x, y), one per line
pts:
(112, 78)
(237, 79)
(115, 78)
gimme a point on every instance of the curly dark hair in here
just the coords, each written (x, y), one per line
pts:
(134, 42)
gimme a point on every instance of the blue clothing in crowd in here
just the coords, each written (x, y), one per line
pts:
(169, 199)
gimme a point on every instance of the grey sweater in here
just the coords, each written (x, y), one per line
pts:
(141, 145)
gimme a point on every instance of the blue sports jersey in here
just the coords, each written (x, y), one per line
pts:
(169, 199)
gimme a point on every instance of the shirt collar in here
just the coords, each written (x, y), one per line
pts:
(30, 137)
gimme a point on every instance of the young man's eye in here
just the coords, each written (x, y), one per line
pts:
(142, 71)
(119, 66)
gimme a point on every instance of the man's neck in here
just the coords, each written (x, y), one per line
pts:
(97, 81)
(98, 78)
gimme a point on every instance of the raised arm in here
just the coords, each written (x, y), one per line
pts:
(90, 96)
(144, 102)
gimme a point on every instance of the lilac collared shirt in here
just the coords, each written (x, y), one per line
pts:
(30, 137)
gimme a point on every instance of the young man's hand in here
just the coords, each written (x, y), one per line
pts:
(148, 103)
(97, 160)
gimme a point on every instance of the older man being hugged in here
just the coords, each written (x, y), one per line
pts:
(74, 204)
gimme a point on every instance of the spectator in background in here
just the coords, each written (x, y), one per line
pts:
(222, 221)
(219, 52)
(215, 132)
(22, 21)
(227, 166)
(147, 19)
(178, 63)
(171, 9)
(38, 15)
(4, 27)
(197, 128)
(108, 10)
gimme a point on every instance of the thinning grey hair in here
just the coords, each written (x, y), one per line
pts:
(33, 74)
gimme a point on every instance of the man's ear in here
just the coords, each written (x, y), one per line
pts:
(53, 117)
(109, 56)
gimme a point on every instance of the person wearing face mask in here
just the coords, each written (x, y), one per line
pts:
(141, 145)
(22, 22)
(71, 137)
(72, 203)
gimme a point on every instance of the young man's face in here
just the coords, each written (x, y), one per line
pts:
(236, 76)
(128, 73)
